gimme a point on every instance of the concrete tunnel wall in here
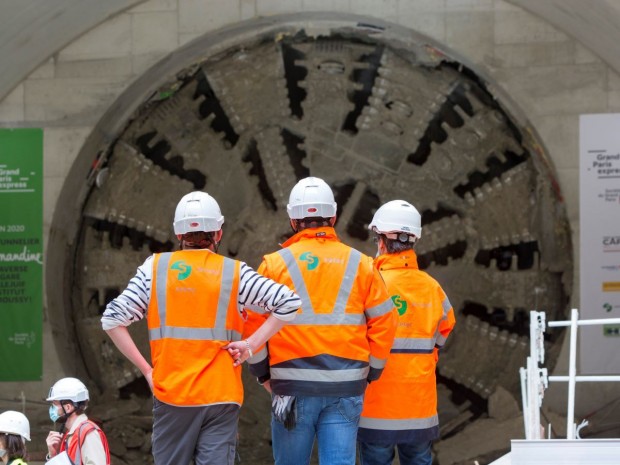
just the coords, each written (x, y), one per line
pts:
(549, 77)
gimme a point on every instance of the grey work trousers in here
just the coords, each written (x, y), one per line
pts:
(206, 434)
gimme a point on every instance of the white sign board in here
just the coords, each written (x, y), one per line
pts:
(599, 211)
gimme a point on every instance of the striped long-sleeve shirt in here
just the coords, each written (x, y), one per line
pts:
(256, 292)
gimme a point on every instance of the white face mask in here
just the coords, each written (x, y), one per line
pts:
(2, 453)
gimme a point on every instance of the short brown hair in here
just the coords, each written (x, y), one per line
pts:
(396, 246)
(15, 446)
(311, 222)
(199, 239)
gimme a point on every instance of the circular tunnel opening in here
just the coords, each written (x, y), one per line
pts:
(378, 121)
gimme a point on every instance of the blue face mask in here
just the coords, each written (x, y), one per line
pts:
(2, 453)
(54, 413)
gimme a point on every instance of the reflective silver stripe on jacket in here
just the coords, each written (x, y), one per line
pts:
(298, 281)
(218, 332)
(199, 334)
(446, 307)
(331, 376)
(338, 316)
(161, 275)
(377, 362)
(329, 319)
(440, 340)
(411, 343)
(380, 310)
(398, 425)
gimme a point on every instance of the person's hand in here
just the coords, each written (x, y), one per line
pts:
(53, 443)
(267, 386)
(239, 351)
(149, 379)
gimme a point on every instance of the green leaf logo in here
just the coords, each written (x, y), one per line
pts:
(400, 304)
(313, 260)
(184, 269)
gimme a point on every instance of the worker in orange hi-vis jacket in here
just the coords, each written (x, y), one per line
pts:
(318, 366)
(400, 409)
(194, 303)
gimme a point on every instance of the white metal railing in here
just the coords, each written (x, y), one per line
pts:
(535, 380)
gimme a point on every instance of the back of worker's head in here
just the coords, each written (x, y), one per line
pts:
(311, 204)
(398, 225)
(68, 396)
(198, 221)
(14, 432)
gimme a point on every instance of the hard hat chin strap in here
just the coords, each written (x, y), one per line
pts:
(65, 415)
(397, 242)
(401, 237)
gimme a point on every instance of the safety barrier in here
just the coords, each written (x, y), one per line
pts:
(535, 380)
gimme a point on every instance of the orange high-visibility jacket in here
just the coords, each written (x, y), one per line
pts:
(402, 405)
(343, 333)
(192, 313)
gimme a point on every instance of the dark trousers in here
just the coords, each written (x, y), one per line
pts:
(208, 435)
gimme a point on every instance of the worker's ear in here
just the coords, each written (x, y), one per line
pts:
(332, 221)
(68, 407)
(218, 235)
(381, 245)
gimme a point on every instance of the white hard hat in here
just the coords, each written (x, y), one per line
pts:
(397, 216)
(68, 389)
(12, 422)
(311, 197)
(197, 211)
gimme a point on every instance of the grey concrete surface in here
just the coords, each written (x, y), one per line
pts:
(32, 31)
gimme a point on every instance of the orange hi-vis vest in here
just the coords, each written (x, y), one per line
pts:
(192, 314)
(73, 444)
(402, 405)
(344, 330)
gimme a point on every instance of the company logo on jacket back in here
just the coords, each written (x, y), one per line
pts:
(400, 304)
(183, 268)
(313, 260)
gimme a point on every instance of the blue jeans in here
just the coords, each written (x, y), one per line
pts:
(408, 454)
(333, 420)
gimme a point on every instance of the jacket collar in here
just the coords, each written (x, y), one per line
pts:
(81, 418)
(406, 259)
(322, 233)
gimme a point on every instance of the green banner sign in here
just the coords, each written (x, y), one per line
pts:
(21, 254)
